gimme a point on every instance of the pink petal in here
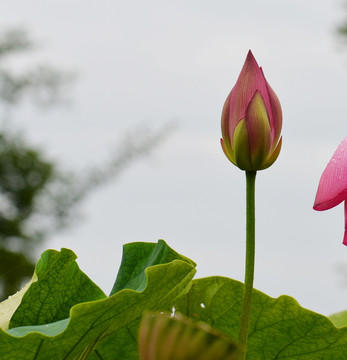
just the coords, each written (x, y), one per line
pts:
(225, 124)
(332, 188)
(259, 131)
(275, 115)
(345, 236)
(250, 80)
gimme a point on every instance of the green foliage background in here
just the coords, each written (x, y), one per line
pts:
(63, 315)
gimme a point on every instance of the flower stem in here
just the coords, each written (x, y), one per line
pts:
(250, 256)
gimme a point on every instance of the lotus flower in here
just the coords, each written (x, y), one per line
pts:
(251, 120)
(332, 188)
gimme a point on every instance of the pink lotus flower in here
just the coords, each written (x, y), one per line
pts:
(332, 188)
(251, 120)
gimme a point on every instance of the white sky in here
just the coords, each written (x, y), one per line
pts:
(158, 60)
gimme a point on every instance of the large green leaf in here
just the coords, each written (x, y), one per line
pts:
(101, 329)
(153, 277)
(137, 257)
(279, 329)
(10, 305)
(339, 319)
(60, 285)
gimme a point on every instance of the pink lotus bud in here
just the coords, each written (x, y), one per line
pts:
(167, 337)
(251, 120)
(332, 188)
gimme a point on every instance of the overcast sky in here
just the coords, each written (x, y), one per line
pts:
(159, 60)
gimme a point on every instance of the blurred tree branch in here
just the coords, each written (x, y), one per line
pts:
(13, 41)
(42, 84)
(37, 197)
(341, 28)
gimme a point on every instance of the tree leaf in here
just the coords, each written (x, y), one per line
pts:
(279, 329)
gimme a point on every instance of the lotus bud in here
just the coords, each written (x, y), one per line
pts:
(167, 337)
(251, 120)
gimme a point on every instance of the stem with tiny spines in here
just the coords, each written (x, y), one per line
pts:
(250, 259)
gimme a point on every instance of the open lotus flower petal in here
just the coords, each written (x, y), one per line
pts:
(332, 188)
(251, 120)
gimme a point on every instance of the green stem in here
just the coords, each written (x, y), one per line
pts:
(250, 256)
